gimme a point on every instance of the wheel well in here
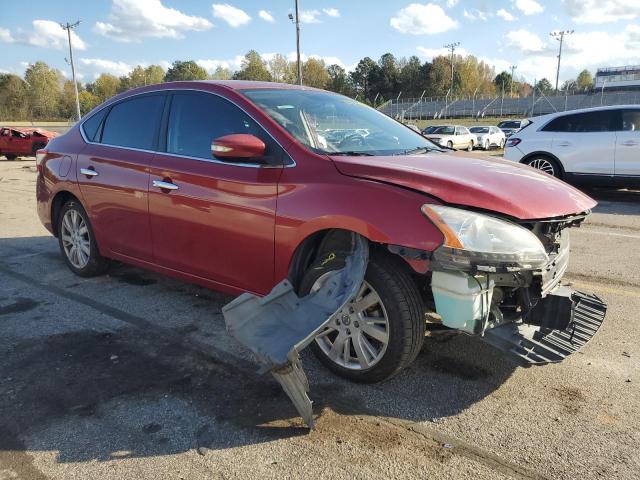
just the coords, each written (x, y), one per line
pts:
(318, 243)
(548, 155)
(56, 205)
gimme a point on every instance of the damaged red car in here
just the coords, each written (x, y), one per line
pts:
(237, 185)
(16, 142)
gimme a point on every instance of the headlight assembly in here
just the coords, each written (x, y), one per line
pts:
(473, 241)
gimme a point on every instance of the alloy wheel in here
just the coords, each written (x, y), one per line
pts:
(543, 164)
(75, 239)
(357, 337)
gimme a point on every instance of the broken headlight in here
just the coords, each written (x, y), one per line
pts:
(482, 242)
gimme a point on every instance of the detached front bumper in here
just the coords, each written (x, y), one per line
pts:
(579, 314)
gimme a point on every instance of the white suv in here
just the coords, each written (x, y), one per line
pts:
(594, 145)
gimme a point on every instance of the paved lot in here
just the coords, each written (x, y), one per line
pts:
(131, 375)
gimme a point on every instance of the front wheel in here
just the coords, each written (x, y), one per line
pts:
(77, 242)
(470, 147)
(10, 156)
(486, 145)
(450, 145)
(381, 331)
(546, 164)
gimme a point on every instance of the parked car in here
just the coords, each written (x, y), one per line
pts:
(236, 185)
(452, 136)
(15, 142)
(413, 127)
(509, 127)
(488, 136)
(596, 145)
(429, 129)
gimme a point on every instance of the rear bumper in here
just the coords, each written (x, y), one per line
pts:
(579, 318)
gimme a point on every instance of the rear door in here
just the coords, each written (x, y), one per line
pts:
(627, 157)
(584, 142)
(218, 220)
(113, 173)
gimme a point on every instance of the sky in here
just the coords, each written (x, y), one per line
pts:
(116, 35)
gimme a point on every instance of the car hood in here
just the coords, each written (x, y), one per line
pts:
(495, 185)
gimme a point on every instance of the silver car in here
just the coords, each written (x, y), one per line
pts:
(488, 136)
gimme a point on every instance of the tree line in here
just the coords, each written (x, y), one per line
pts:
(43, 93)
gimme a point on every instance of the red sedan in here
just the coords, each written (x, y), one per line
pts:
(237, 185)
(15, 142)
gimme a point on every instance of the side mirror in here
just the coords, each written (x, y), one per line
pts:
(237, 145)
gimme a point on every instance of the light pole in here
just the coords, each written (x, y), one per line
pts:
(452, 47)
(297, 22)
(68, 27)
(513, 69)
(473, 105)
(560, 37)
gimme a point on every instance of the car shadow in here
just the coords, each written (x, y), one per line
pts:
(126, 392)
(615, 201)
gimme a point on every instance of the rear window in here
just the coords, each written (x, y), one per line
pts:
(597, 121)
(509, 124)
(444, 130)
(133, 123)
(479, 129)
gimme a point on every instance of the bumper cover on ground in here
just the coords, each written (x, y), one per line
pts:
(532, 345)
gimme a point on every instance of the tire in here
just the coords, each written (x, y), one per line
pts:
(400, 305)
(450, 145)
(487, 145)
(502, 142)
(546, 164)
(470, 147)
(10, 156)
(72, 235)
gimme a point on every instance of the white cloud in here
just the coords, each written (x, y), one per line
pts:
(235, 17)
(602, 11)
(452, 3)
(528, 7)
(309, 16)
(473, 15)
(100, 65)
(431, 53)
(419, 19)
(524, 41)
(332, 12)
(133, 20)
(232, 64)
(45, 34)
(506, 16)
(266, 16)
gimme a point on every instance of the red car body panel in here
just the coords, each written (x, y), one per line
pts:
(32, 138)
(236, 229)
(513, 189)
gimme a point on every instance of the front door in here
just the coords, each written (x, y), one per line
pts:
(216, 219)
(628, 143)
(113, 174)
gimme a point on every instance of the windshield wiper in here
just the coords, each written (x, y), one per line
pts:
(351, 153)
(419, 150)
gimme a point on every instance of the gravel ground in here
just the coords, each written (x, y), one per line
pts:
(131, 375)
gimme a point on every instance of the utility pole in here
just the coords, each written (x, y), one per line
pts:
(452, 47)
(68, 27)
(297, 22)
(513, 69)
(560, 37)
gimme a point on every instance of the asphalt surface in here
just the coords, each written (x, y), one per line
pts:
(132, 375)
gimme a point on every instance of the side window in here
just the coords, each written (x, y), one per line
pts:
(133, 123)
(458, 131)
(596, 121)
(196, 119)
(631, 120)
(91, 126)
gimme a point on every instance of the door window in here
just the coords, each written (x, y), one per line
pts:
(133, 123)
(90, 127)
(196, 119)
(630, 120)
(596, 121)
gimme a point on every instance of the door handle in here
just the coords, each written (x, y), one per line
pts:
(630, 143)
(164, 185)
(564, 144)
(89, 172)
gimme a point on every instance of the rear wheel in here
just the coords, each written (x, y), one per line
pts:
(450, 145)
(470, 147)
(502, 144)
(36, 147)
(546, 164)
(380, 332)
(486, 145)
(77, 242)
(10, 156)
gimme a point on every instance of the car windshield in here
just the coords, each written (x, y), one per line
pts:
(429, 129)
(479, 129)
(331, 123)
(511, 124)
(446, 130)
